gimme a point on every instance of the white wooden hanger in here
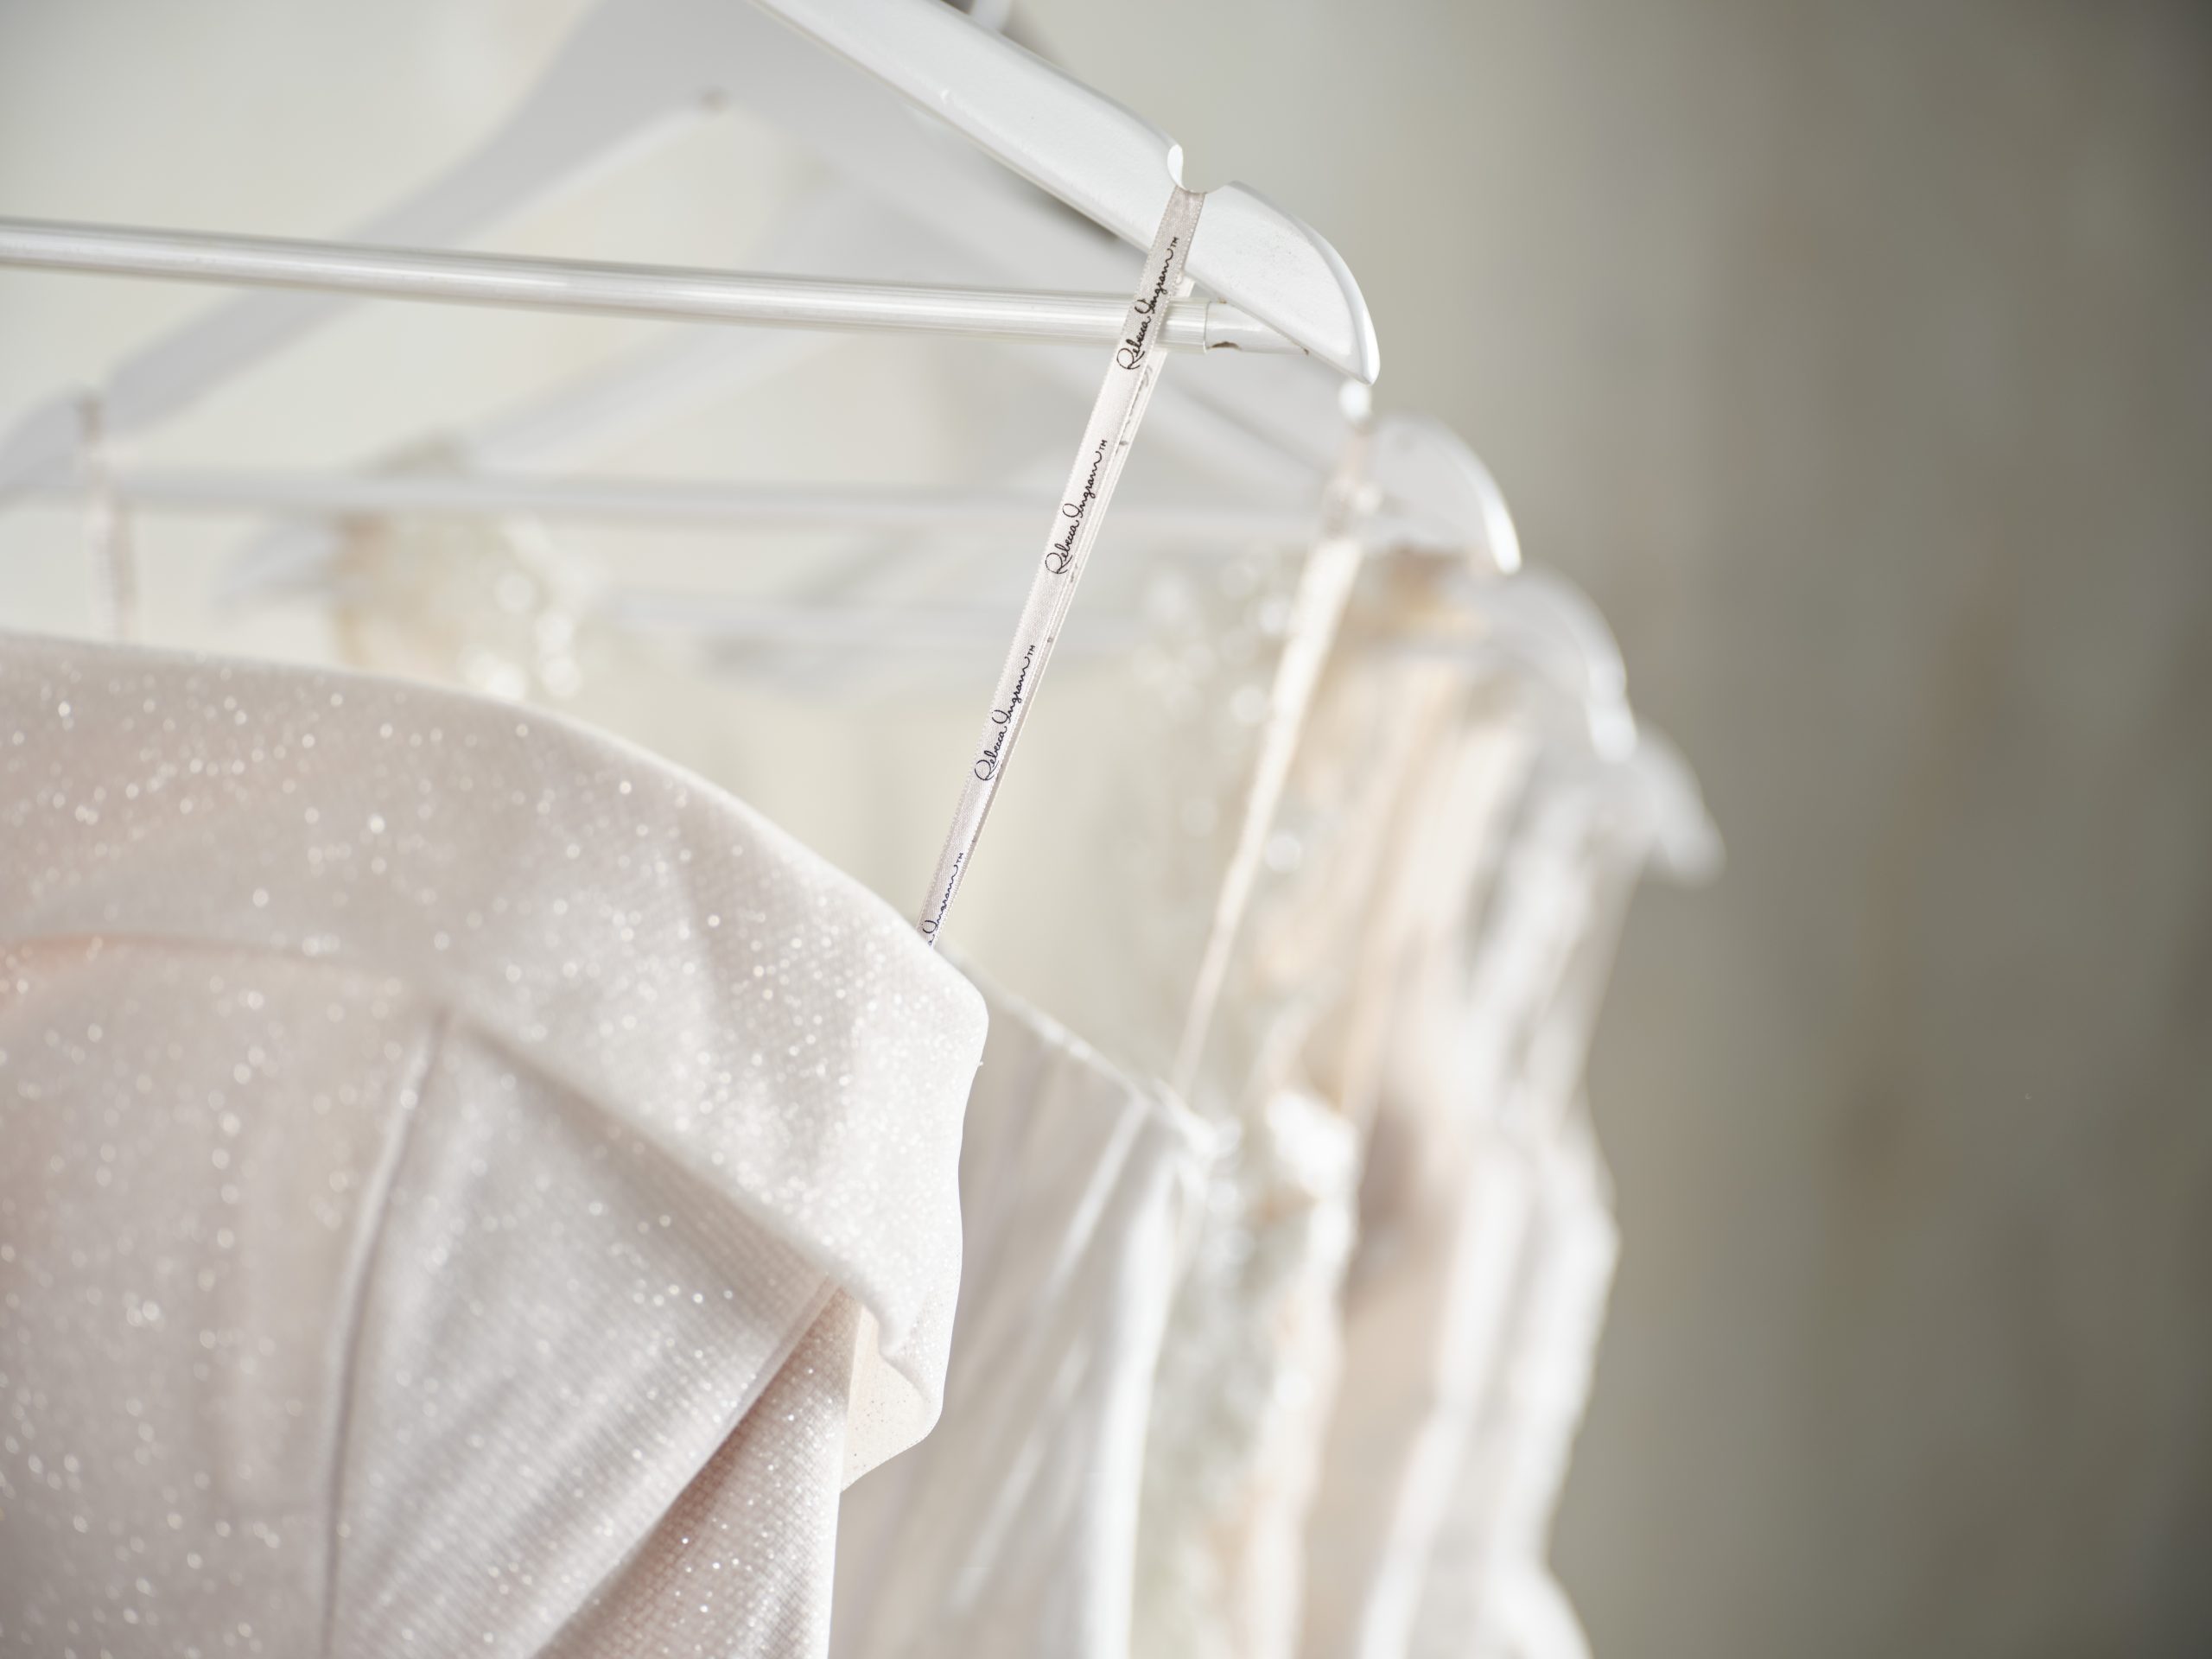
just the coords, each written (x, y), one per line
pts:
(1102, 159)
(954, 210)
(1557, 622)
(1552, 638)
(635, 67)
(1426, 471)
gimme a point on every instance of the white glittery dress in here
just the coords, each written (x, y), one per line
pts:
(1011, 1528)
(465, 1186)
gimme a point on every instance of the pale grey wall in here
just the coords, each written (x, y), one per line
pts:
(1859, 358)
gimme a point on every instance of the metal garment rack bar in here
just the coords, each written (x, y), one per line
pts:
(681, 502)
(663, 291)
(718, 621)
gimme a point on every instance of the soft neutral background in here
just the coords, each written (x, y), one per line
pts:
(1858, 358)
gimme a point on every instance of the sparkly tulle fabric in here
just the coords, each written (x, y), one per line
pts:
(437, 1144)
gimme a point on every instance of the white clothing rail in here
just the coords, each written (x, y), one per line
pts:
(661, 291)
(682, 502)
(720, 622)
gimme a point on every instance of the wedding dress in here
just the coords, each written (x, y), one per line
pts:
(1486, 1590)
(1011, 1530)
(1012, 1527)
(445, 1155)
(1255, 1342)
(1417, 1311)
(1467, 1186)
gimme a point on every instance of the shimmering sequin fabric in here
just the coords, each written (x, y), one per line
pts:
(432, 1140)
(1011, 1531)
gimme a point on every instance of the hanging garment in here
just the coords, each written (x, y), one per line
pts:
(1488, 1591)
(1140, 789)
(493, 606)
(1254, 1343)
(433, 1142)
(1136, 788)
(1243, 1388)
(1489, 1588)
(1487, 1027)
(1012, 1529)
(1412, 1315)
